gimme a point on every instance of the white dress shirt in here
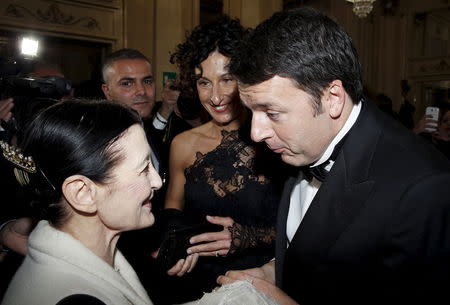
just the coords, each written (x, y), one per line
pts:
(159, 123)
(304, 191)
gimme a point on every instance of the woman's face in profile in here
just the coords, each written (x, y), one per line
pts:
(125, 202)
(217, 89)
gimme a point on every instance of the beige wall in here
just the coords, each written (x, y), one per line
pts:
(385, 46)
(252, 12)
(155, 27)
(172, 20)
(139, 25)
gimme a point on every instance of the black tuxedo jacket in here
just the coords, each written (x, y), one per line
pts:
(378, 229)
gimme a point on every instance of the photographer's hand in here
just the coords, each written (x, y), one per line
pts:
(169, 96)
(424, 124)
(213, 243)
(5, 109)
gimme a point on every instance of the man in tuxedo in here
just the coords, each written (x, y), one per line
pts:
(367, 218)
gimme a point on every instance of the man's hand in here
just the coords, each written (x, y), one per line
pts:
(5, 109)
(169, 99)
(14, 235)
(262, 278)
(213, 243)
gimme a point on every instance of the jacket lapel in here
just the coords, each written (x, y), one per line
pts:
(281, 239)
(340, 197)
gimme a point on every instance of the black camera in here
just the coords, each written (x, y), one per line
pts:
(29, 93)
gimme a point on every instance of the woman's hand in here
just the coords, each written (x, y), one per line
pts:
(213, 243)
(184, 266)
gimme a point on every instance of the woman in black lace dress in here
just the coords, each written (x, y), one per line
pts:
(217, 173)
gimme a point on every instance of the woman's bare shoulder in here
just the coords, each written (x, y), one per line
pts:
(187, 143)
(192, 136)
(186, 136)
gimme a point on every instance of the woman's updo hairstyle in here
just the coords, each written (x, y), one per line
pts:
(73, 137)
(222, 35)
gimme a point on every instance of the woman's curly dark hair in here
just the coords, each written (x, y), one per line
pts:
(223, 35)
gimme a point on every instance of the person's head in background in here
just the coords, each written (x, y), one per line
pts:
(44, 68)
(29, 100)
(128, 79)
(383, 102)
(203, 63)
(189, 108)
(94, 167)
(300, 76)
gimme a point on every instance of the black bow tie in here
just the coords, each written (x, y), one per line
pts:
(320, 172)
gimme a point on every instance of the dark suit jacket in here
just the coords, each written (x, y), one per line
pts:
(378, 229)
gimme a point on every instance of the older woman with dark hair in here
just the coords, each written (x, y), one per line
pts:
(217, 173)
(88, 166)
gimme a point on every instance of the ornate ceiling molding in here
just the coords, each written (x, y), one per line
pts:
(441, 66)
(427, 67)
(51, 15)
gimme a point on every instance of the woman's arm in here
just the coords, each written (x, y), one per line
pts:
(177, 164)
(234, 238)
(178, 161)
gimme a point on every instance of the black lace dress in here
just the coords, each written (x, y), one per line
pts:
(242, 180)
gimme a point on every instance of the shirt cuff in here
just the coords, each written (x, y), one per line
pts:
(159, 122)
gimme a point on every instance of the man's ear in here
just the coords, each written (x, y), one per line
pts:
(336, 99)
(80, 192)
(105, 90)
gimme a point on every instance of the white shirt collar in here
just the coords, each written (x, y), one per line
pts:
(344, 130)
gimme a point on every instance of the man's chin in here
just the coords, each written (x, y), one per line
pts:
(293, 160)
(143, 108)
(144, 113)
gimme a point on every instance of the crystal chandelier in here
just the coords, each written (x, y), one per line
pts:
(362, 7)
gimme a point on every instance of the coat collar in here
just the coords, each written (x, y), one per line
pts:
(48, 245)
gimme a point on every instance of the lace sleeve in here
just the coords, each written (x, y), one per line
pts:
(245, 237)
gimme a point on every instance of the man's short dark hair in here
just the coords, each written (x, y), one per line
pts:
(119, 55)
(303, 45)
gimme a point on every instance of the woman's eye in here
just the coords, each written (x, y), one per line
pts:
(202, 83)
(147, 168)
(228, 79)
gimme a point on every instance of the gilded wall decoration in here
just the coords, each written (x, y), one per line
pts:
(51, 15)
